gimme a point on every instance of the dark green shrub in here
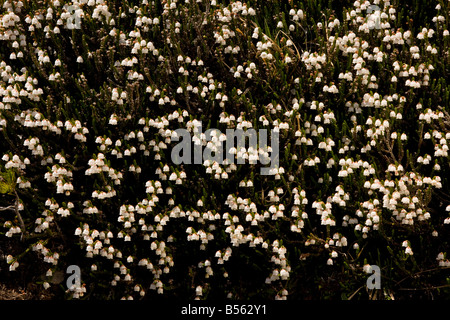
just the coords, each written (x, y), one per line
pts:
(92, 93)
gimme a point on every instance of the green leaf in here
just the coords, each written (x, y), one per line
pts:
(9, 181)
(10, 177)
(5, 188)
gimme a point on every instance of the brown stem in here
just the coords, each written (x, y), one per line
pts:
(19, 216)
(7, 208)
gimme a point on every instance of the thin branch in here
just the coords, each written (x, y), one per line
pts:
(351, 296)
(7, 208)
(420, 272)
(19, 216)
(429, 288)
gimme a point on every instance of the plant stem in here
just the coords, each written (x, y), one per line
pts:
(19, 216)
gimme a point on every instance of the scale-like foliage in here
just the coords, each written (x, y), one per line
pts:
(93, 94)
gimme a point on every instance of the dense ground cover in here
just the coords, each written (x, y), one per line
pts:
(93, 91)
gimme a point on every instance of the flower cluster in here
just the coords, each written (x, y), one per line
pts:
(92, 95)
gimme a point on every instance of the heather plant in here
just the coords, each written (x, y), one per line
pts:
(95, 94)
